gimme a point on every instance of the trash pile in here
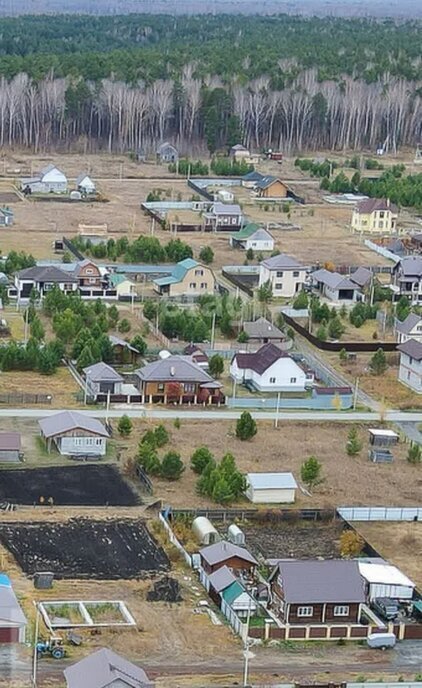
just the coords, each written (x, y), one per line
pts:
(165, 590)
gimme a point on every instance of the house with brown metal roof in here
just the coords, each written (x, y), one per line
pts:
(410, 369)
(74, 433)
(106, 669)
(268, 370)
(313, 591)
(375, 216)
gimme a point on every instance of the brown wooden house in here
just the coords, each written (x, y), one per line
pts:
(123, 352)
(314, 591)
(225, 553)
(88, 275)
(178, 379)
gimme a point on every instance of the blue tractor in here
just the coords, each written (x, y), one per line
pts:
(53, 647)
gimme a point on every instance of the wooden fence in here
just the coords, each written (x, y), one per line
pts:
(25, 398)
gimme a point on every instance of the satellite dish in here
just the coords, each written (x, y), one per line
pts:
(164, 354)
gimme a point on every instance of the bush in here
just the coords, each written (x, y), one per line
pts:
(223, 482)
(242, 337)
(124, 426)
(351, 544)
(124, 325)
(148, 459)
(414, 454)
(354, 445)
(216, 365)
(139, 344)
(172, 466)
(378, 363)
(161, 436)
(206, 254)
(310, 471)
(200, 459)
(246, 426)
(301, 301)
(321, 333)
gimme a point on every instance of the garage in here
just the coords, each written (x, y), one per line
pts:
(12, 619)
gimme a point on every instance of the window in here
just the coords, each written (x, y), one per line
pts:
(92, 280)
(381, 224)
(305, 611)
(419, 328)
(279, 273)
(292, 380)
(98, 442)
(160, 387)
(199, 273)
(192, 285)
(279, 286)
(234, 220)
(189, 386)
(89, 271)
(272, 380)
(341, 610)
(410, 360)
(296, 273)
(382, 214)
(203, 285)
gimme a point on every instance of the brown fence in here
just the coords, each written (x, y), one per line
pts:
(24, 398)
(322, 632)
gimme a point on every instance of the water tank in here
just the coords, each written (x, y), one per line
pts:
(204, 531)
(235, 535)
(75, 196)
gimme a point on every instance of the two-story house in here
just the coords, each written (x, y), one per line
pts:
(223, 217)
(89, 277)
(188, 278)
(269, 370)
(410, 370)
(410, 328)
(407, 277)
(313, 591)
(375, 216)
(286, 275)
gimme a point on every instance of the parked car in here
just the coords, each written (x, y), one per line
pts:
(381, 641)
(388, 608)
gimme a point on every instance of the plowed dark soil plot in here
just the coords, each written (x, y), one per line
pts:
(68, 486)
(81, 548)
(301, 541)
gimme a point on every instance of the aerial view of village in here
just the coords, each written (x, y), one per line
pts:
(210, 345)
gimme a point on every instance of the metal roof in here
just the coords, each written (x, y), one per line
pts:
(178, 273)
(10, 610)
(116, 341)
(252, 230)
(385, 574)
(260, 360)
(102, 372)
(271, 481)
(333, 280)
(47, 273)
(361, 276)
(262, 328)
(221, 551)
(314, 582)
(226, 209)
(374, 204)
(408, 323)
(411, 266)
(282, 261)
(10, 441)
(104, 668)
(411, 348)
(174, 368)
(222, 578)
(65, 421)
(233, 591)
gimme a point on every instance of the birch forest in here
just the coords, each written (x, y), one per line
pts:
(126, 83)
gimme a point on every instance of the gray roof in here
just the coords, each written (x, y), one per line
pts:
(46, 273)
(333, 280)
(177, 368)
(271, 481)
(82, 177)
(262, 328)
(221, 551)
(4, 278)
(412, 320)
(64, 421)
(10, 441)
(222, 578)
(165, 145)
(282, 261)
(10, 610)
(411, 348)
(410, 266)
(116, 341)
(314, 582)
(102, 372)
(361, 276)
(103, 668)
(226, 209)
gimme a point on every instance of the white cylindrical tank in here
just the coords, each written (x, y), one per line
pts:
(204, 531)
(235, 535)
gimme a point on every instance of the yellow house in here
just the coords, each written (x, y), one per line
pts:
(188, 278)
(375, 216)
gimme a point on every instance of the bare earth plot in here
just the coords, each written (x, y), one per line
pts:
(85, 548)
(347, 480)
(302, 540)
(68, 486)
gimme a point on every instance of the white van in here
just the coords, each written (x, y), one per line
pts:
(381, 641)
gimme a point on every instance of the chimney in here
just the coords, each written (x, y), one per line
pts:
(388, 202)
(172, 371)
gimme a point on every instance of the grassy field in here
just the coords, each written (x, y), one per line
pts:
(347, 480)
(61, 386)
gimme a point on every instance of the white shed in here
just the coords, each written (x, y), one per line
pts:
(204, 531)
(385, 580)
(85, 184)
(271, 488)
(235, 535)
(225, 196)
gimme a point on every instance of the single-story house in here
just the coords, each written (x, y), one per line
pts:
(178, 379)
(12, 619)
(410, 328)
(167, 153)
(385, 580)
(74, 433)
(124, 286)
(336, 287)
(285, 274)
(6, 217)
(123, 352)
(188, 278)
(271, 488)
(197, 355)
(85, 184)
(223, 217)
(224, 553)
(269, 370)
(49, 180)
(318, 591)
(106, 669)
(10, 447)
(224, 585)
(239, 152)
(43, 279)
(250, 179)
(101, 378)
(362, 277)
(263, 331)
(410, 370)
(272, 187)
(254, 237)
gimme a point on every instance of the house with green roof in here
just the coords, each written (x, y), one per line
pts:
(188, 278)
(123, 285)
(253, 236)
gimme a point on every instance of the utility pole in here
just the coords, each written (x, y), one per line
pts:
(213, 330)
(34, 658)
(26, 325)
(355, 395)
(277, 410)
(108, 406)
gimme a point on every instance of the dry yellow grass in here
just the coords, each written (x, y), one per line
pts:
(61, 386)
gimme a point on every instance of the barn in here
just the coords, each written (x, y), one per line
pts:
(271, 488)
(12, 619)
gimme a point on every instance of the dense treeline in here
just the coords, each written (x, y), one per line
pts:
(126, 82)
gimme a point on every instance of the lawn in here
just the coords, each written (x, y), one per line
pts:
(61, 386)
